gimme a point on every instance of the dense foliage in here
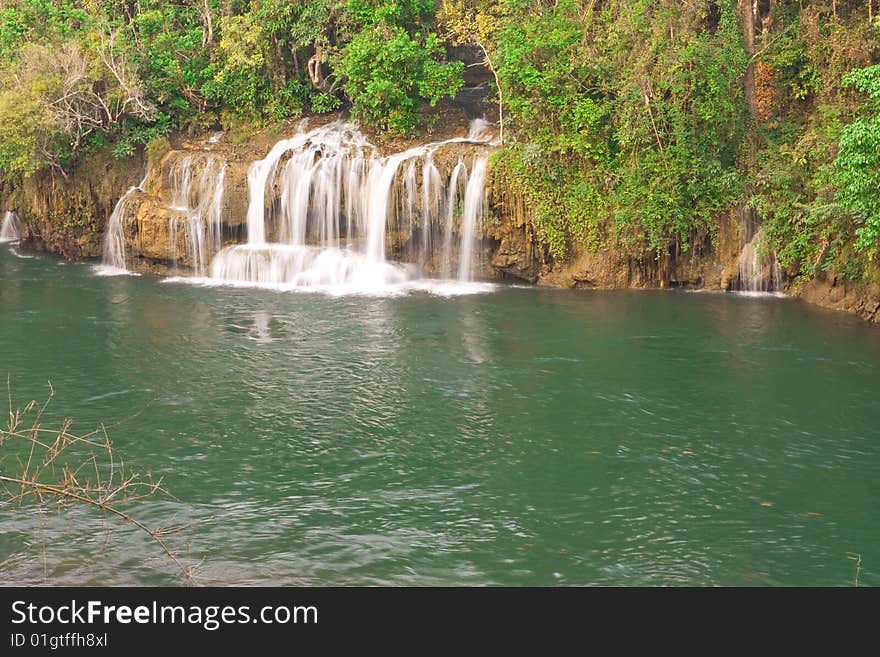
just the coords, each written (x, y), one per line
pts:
(810, 166)
(635, 124)
(858, 161)
(638, 106)
(76, 74)
(638, 124)
(389, 72)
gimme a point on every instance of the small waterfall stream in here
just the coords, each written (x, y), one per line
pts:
(758, 270)
(472, 211)
(10, 231)
(113, 260)
(196, 214)
(197, 207)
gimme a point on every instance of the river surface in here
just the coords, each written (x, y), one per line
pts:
(515, 437)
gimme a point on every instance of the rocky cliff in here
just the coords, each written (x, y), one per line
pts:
(69, 216)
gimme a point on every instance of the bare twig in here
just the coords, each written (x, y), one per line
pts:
(48, 473)
(858, 559)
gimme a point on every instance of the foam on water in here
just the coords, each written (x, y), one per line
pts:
(110, 270)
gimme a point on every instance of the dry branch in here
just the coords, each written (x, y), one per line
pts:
(57, 466)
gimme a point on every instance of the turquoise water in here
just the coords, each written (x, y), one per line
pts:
(521, 437)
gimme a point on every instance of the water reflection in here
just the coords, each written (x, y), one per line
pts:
(260, 331)
(524, 437)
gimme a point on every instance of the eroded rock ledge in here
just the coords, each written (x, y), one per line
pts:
(835, 293)
(69, 216)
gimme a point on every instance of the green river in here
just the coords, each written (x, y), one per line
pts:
(514, 437)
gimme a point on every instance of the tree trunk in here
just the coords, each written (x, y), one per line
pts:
(316, 75)
(491, 67)
(282, 67)
(746, 10)
(209, 24)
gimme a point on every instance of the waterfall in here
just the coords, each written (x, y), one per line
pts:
(10, 231)
(758, 270)
(458, 172)
(432, 195)
(258, 175)
(481, 130)
(381, 176)
(197, 207)
(321, 162)
(113, 260)
(471, 215)
(333, 201)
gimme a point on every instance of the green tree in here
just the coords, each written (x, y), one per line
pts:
(858, 161)
(476, 25)
(625, 120)
(388, 74)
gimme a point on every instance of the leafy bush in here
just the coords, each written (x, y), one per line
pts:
(857, 166)
(154, 66)
(632, 116)
(389, 73)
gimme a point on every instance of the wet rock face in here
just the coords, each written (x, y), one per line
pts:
(195, 200)
(837, 294)
(185, 189)
(147, 229)
(473, 96)
(591, 270)
(516, 253)
(707, 264)
(68, 216)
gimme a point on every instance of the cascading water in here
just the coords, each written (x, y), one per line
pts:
(482, 130)
(453, 194)
(758, 270)
(472, 212)
(432, 199)
(337, 200)
(197, 205)
(113, 260)
(10, 231)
